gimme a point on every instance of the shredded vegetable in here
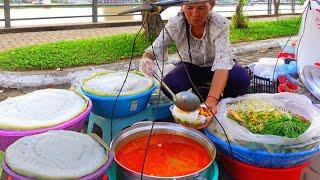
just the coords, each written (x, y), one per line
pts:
(262, 117)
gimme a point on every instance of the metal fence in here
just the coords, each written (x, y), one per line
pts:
(290, 6)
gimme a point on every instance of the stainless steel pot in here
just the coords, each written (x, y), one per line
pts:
(143, 129)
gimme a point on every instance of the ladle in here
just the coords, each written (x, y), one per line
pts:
(184, 100)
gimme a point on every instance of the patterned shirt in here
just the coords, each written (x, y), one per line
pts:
(212, 49)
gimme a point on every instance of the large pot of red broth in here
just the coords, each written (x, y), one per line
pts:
(174, 152)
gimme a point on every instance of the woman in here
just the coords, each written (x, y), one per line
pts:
(202, 39)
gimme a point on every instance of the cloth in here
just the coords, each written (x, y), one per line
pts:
(213, 49)
(237, 84)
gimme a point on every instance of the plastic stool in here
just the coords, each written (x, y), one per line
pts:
(118, 124)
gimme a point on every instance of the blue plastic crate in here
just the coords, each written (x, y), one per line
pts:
(262, 158)
(125, 105)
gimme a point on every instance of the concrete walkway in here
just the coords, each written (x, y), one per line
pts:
(14, 40)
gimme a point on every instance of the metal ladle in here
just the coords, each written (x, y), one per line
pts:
(184, 100)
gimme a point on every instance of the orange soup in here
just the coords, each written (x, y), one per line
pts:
(168, 155)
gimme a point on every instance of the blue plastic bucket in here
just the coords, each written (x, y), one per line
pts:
(163, 110)
(125, 105)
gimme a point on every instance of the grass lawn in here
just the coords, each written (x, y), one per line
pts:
(65, 54)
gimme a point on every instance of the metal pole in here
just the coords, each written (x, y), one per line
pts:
(293, 6)
(6, 6)
(269, 6)
(94, 10)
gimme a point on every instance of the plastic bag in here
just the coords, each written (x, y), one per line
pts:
(265, 67)
(298, 104)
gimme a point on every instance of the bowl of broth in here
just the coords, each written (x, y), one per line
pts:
(171, 152)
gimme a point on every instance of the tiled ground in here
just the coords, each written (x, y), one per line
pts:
(14, 40)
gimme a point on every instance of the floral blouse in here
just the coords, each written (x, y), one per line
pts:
(212, 49)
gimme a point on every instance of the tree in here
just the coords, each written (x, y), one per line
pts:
(239, 20)
(153, 26)
(276, 4)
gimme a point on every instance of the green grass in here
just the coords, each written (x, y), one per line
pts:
(66, 54)
(1, 159)
(266, 30)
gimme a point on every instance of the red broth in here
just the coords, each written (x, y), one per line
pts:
(168, 155)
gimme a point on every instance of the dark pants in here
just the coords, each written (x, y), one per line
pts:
(237, 84)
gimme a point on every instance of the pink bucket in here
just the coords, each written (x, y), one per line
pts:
(98, 174)
(75, 124)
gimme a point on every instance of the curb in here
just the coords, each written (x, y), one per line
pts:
(72, 76)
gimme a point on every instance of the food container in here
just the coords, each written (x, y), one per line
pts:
(118, 94)
(261, 157)
(201, 122)
(123, 105)
(143, 129)
(241, 170)
(98, 174)
(8, 137)
(160, 105)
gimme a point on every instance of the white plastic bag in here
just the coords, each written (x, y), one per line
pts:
(265, 67)
(298, 104)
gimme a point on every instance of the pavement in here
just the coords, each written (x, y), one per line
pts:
(17, 83)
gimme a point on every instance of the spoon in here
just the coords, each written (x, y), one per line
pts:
(184, 100)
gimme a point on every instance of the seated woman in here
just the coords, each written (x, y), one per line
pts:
(202, 40)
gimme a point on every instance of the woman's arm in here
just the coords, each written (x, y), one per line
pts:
(222, 63)
(219, 81)
(158, 51)
(148, 55)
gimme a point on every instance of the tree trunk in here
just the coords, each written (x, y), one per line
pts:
(276, 5)
(153, 25)
(239, 19)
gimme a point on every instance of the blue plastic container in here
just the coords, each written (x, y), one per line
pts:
(289, 49)
(262, 158)
(125, 105)
(163, 110)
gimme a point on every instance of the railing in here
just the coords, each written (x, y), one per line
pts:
(7, 7)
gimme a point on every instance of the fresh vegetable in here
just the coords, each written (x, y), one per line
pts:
(262, 117)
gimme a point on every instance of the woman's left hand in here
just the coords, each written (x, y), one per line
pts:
(212, 104)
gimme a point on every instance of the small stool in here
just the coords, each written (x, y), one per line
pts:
(118, 124)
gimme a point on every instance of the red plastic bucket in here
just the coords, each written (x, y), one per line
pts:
(243, 171)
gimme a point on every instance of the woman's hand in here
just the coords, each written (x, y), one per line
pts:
(212, 104)
(146, 65)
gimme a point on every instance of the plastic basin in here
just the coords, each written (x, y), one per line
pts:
(98, 174)
(240, 170)
(76, 124)
(110, 106)
(262, 158)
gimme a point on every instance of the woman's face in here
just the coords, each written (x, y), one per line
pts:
(197, 13)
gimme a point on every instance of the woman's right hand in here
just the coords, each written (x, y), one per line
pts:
(146, 65)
